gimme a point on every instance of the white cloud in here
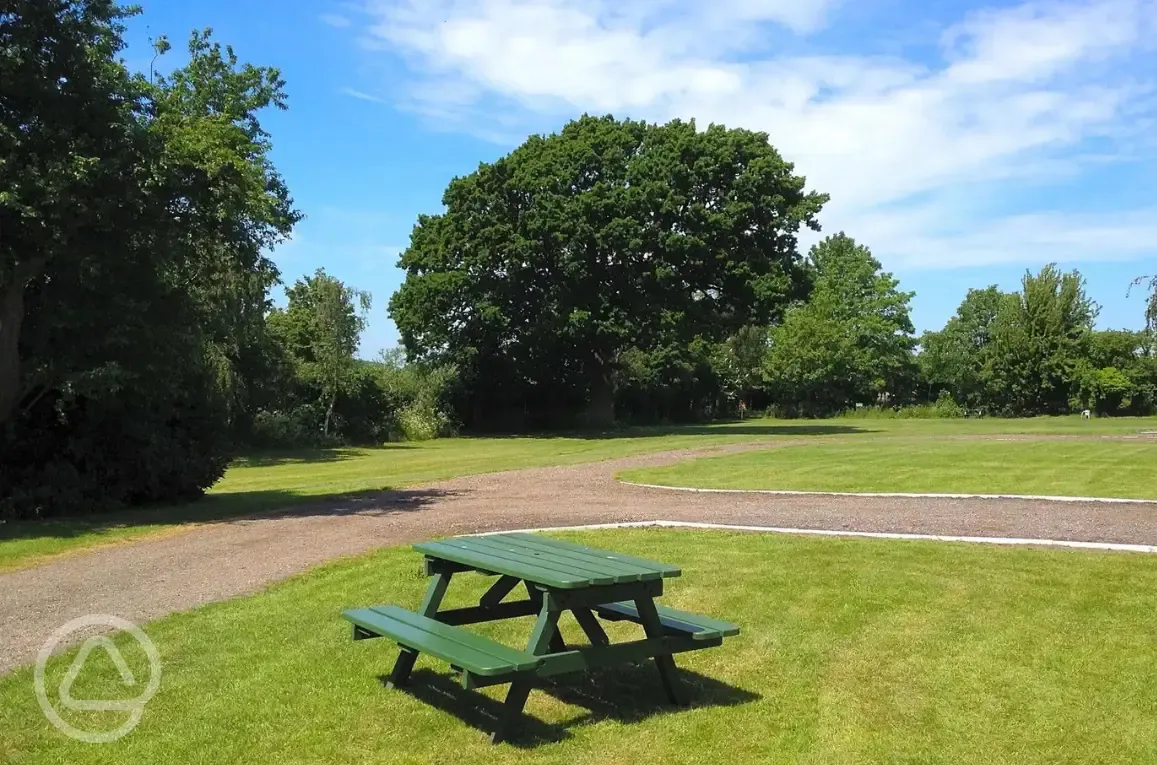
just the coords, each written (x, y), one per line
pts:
(335, 20)
(1015, 96)
(1040, 237)
(362, 95)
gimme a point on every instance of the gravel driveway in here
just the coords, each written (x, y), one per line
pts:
(147, 579)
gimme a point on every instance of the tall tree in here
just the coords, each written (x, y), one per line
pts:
(956, 356)
(215, 170)
(1040, 337)
(132, 218)
(322, 325)
(740, 361)
(850, 341)
(552, 261)
(70, 145)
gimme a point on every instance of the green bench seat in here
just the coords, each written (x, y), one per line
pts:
(674, 621)
(465, 650)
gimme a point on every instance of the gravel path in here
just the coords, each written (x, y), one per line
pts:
(150, 578)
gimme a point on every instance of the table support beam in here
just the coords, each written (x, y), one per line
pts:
(594, 631)
(649, 616)
(544, 636)
(499, 590)
(400, 674)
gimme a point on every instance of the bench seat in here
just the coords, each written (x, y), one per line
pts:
(674, 621)
(465, 650)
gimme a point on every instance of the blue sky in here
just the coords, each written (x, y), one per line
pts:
(962, 141)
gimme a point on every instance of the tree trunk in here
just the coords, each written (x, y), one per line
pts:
(601, 410)
(329, 414)
(11, 319)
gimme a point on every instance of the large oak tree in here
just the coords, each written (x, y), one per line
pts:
(610, 235)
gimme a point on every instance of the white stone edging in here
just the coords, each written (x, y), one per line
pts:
(1112, 546)
(894, 494)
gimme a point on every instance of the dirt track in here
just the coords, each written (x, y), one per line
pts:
(147, 579)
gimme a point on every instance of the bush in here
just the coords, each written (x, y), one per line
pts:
(422, 422)
(87, 455)
(420, 394)
(298, 428)
(944, 407)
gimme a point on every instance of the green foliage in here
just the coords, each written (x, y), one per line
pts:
(944, 407)
(418, 422)
(420, 392)
(551, 264)
(1151, 306)
(955, 358)
(296, 428)
(1039, 338)
(1035, 352)
(739, 364)
(97, 453)
(71, 144)
(321, 327)
(671, 383)
(850, 342)
(156, 198)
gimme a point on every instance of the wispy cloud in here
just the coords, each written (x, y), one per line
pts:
(363, 96)
(919, 153)
(335, 20)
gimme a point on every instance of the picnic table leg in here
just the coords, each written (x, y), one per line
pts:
(594, 631)
(557, 644)
(406, 658)
(649, 615)
(545, 631)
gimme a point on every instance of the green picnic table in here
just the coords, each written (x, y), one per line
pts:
(557, 576)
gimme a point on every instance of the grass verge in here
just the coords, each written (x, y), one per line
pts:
(851, 651)
(262, 483)
(1126, 469)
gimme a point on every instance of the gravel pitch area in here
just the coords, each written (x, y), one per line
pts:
(147, 579)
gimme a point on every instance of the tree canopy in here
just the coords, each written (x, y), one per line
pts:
(850, 342)
(552, 262)
(134, 217)
(322, 326)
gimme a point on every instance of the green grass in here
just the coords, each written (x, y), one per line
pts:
(1070, 468)
(267, 482)
(852, 651)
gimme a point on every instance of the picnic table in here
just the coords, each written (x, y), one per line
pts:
(557, 576)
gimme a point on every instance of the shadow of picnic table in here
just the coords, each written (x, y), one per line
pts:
(627, 694)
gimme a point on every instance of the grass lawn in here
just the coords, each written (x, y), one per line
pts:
(267, 482)
(272, 481)
(1072, 468)
(852, 651)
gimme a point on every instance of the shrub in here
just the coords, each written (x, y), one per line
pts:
(90, 455)
(944, 407)
(299, 427)
(422, 422)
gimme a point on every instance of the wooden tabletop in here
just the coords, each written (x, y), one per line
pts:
(545, 561)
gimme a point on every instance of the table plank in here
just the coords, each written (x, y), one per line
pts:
(501, 548)
(663, 569)
(478, 559)
(545, 561)
(597, 560)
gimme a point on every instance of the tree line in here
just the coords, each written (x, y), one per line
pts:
(622, 272)
(616, 272)
(139, 348)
